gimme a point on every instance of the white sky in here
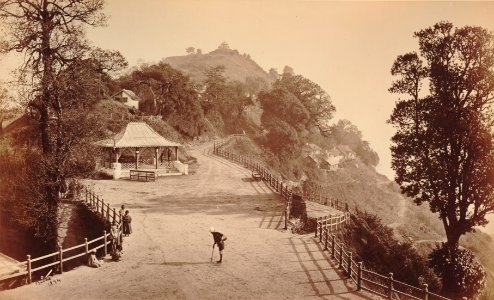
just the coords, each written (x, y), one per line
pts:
(346, 47)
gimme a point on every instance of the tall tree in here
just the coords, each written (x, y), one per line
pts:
(50, 34)
(317, 102)
(443, 149)
(169, 93)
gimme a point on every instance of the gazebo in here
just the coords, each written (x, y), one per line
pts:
(140, 147)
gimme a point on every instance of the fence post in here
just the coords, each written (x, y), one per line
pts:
(390, 286)
(340, 263)
(320, 231)
(105, 241)
(60, 256)
(359, 276)
(86, 246)
(350, 259)
(326, 239)
(330, 223)
(332, 246)
(287, 207)
(107, 212)
(426, 291)
(29, 275)
(317, 226)
(114, 216)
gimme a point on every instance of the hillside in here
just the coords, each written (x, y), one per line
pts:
(237, 67)
(363, 188)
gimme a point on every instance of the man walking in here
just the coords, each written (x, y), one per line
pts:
(219, 239)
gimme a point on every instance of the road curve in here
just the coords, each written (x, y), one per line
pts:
(168, 255)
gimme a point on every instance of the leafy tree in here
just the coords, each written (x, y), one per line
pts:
(288, 70)
(253, 85)
(215, 92)
(239, 99)
(190, 50)
(284, 105)
(346, 133)
(273, 74)
(281, 138)
(198, 51)
(464, 275)
(50, 34)
(443, 149)
(167, 92)
(311, 95)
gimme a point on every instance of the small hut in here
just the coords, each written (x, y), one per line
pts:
(140, 147)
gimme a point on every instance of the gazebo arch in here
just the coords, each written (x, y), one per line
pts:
(141, 139)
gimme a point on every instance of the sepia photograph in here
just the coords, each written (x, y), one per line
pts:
(246, 149)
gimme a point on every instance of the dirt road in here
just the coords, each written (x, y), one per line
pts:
(168, 254)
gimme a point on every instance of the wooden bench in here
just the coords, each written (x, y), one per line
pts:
(256, 176)
(142, 175)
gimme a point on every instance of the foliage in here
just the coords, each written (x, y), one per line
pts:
(317, 102)
(294, 109)
(167, 92)
(190, 50)
(282, 139)
(346, 133)
(443, 151)
(376, 245)
(60, 70)
(284, 105)
(462, 274)
(229, 99)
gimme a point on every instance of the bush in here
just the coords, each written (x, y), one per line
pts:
(376, 245)
(462, 274)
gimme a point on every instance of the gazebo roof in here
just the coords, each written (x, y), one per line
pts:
(137, 135)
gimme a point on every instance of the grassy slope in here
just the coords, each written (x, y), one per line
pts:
(237, 66)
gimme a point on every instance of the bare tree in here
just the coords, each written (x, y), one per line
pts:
(50, 35)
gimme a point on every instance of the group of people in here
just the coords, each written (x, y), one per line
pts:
(115, 237)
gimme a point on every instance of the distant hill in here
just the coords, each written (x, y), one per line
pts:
(237, 66)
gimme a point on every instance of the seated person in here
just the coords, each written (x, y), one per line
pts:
(92, 260)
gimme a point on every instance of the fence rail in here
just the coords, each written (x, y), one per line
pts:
(378, 284)
(95, 204)
(272, 180)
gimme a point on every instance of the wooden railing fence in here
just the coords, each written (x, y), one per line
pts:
(368, 280)
(272, 180)
(58, 258)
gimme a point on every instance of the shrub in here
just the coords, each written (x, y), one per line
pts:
(462, 274)
(376, 245)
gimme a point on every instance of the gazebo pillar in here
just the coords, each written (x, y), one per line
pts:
(156, 156)
(137, 158)
(111, 157)
(117, 168)
(117, 154)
